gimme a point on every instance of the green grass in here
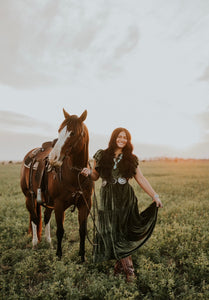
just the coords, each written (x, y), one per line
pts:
(173, 264)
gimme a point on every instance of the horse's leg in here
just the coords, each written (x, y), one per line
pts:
(31, 207)
(36, 230)
(39, 226)
(59, 216)
(35, 235)
(82, 218)
(47, 216)
(35, 220)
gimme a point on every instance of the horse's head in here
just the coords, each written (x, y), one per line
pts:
(73, 135)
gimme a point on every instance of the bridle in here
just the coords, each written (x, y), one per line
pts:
(72, 147)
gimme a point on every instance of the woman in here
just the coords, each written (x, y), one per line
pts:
(121, 228)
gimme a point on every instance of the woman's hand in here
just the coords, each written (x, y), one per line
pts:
(86, 172)
(157, 200)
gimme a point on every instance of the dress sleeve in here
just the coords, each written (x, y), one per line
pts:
(97, 156)
(136, 161)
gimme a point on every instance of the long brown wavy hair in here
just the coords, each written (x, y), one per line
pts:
(128, 164)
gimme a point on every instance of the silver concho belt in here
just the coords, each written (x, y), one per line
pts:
(120, 180)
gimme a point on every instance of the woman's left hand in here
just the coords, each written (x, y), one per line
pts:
(158, 202)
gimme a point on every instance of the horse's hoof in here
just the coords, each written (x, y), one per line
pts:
(82, 259)
(82, 255)
(49, 245)
(81, 262)
(34, 247)
(59, 255)
(49, 240)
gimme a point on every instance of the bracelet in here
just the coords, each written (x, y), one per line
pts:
(156, 196)
(90, 173)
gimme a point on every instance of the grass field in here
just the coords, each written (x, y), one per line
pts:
(173, 264)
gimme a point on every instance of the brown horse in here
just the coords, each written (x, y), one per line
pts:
(61, 183)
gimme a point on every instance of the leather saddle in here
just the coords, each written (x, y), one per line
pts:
(37, 161)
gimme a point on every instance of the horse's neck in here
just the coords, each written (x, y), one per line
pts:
(80, 159)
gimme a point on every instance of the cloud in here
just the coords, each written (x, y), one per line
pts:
(55, 42)
(10, 121)
(14, 146)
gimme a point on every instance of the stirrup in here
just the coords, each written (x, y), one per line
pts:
(39, 200)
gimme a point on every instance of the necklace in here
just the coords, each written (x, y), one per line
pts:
(117, 160)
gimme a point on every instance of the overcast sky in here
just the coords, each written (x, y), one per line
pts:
(140, 64)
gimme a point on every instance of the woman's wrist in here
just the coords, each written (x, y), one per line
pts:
(90, 172)
(155, 196)
(156, 199)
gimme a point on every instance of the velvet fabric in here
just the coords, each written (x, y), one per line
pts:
(122, 229)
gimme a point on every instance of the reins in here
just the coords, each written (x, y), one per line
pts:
(92, 216)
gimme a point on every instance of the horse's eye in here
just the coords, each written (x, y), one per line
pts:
(72, 133)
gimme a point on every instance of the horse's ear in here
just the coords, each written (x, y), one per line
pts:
(83, 116)
(66, 114)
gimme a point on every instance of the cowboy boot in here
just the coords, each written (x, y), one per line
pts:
(118, 268)
(131, 268)
(128, 268)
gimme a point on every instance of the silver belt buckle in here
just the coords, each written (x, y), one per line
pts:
(122, 180)
(104, 183)
(114, 181)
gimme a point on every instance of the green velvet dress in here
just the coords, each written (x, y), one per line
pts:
(121, 228)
